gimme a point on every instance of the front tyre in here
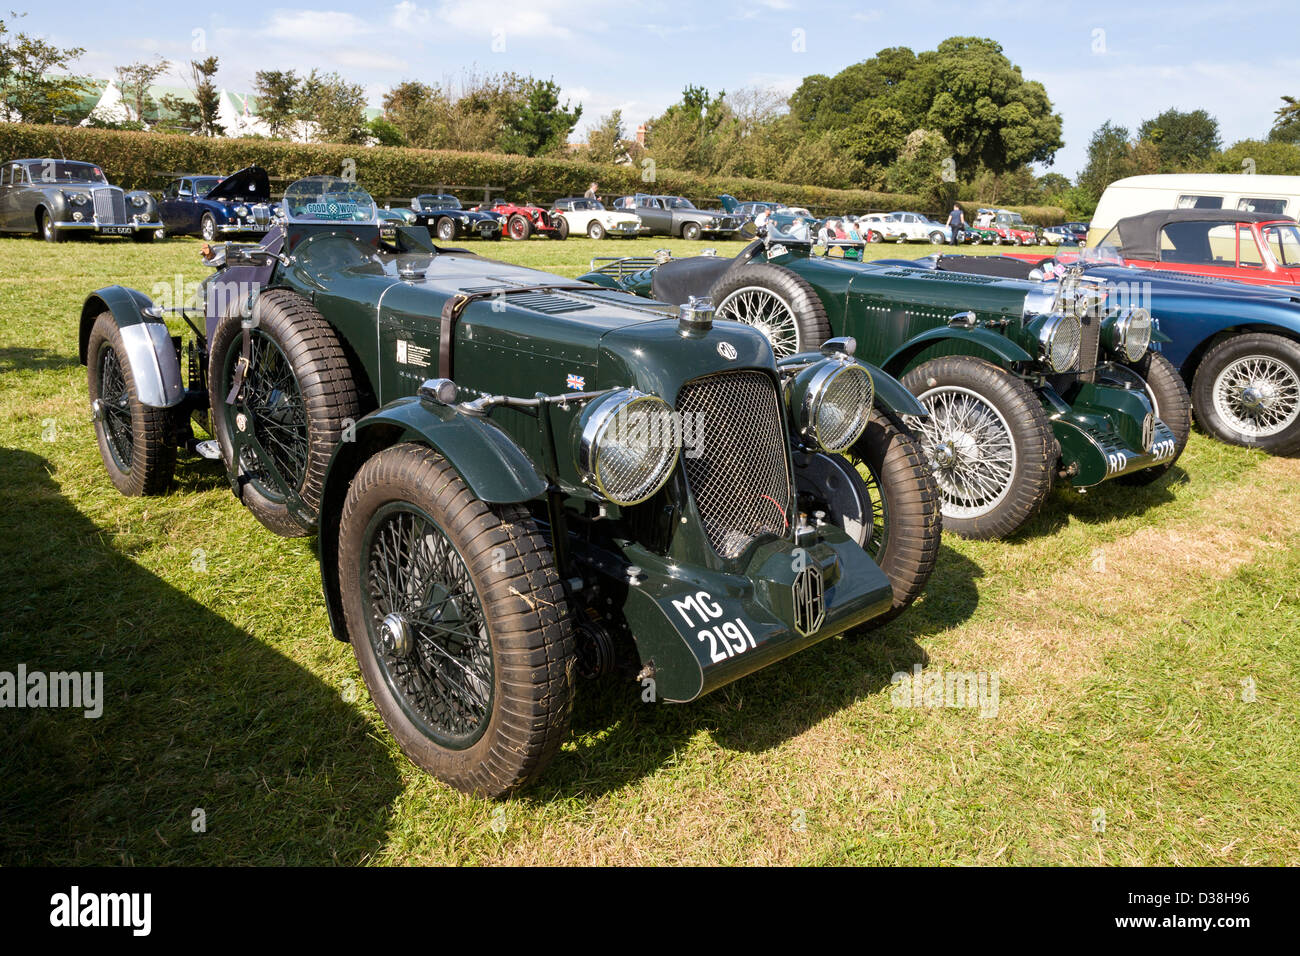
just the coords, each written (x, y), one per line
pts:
(445, 229)
(49, 232)
(777, 302)
(134, 439)
(692, 231)
(883, 495)
(456, 614)
(595, 230)
(1171, 404)
(1247, 392)
(988, 441)
(561, 227)
(208, 227)
(519, 226)
(297, 397)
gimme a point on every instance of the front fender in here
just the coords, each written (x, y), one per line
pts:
(890, 396)
(986, 339)
(493, 466)
(149, 349)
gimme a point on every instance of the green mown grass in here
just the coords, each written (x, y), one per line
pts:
(1125, 626)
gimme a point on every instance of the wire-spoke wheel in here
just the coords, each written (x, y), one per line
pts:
(1247, 392)
(134, 440)
(296, 398)
(777, 302)
(458, 620)
(988, 442)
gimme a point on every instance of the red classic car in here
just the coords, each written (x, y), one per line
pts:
(522, 221)
(1220, 243)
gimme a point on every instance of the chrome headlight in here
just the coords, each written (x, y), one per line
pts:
(627, 445)
(241, 210)
(464, 220)
(1059, 339)
(831, 403)
(1128, 332)
(139, 200)
(78, 199)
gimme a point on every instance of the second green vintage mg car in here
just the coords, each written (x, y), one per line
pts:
(1026, 382)
(516, 478)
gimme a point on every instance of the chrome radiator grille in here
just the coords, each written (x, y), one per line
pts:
(1089, 346)
(110, 205)
(740, 474)
(261, 214)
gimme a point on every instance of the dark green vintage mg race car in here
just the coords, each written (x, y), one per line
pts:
(516, 478)
(1026, 382)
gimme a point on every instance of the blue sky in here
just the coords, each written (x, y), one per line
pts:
(1100, 60)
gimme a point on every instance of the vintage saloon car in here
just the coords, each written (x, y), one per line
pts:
(212, 206)
(914, 227)
(779, 216)
(678, 217)
(57, 198)
(582, 215)
(1026, 382)
(1237, 346)
(541, 477)
(444, 216)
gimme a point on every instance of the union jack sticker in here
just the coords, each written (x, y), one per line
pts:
(576, 382)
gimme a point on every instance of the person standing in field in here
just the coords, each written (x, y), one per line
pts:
(590, 193)
(957, 223)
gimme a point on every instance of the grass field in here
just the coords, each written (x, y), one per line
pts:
(1146, 645)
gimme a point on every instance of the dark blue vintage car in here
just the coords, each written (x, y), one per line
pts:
(1236, 345)
(213, 206)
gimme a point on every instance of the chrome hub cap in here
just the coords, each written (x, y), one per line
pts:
(766, 312)
(1258, 396)
(395, 634)
(970, 450)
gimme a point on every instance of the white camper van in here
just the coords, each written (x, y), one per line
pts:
(1271, 195)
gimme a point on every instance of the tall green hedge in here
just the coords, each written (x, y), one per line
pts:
(145, 160)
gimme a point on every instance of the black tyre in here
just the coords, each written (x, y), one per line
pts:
(595, 230)
(134, 440)
(873, 236)
(883, 495)
(445, 229)
(297, 397)
(456, 614)
(936, 238)
(988, 441)
(519, 226)
(146, 236)
(1172, 405)
(45, 226)
(561, 227)
(1246, 391)
(208, 227)
(777, 302)
(692, 230)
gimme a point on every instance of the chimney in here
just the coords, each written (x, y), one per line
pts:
(640, 135)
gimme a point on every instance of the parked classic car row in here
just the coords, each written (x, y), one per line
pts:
(547, 477)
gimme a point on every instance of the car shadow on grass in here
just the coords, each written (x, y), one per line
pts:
(211, 748)
(619, 739)
(16, 359)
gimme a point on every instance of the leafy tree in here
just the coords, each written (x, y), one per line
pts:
(134, 81)
(606, 143)
(686, 135)
(966, 90)
(199, 114)
(335, 108)
(277, 97)
(1286, 128)
(1270, 157)
(1109, 158)
(385, 133)
(30, 90)
(539, 124)
(1182, 139)
(919, 168)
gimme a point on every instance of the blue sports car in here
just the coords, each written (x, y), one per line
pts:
(213, 206)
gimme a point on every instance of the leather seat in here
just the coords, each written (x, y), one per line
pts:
(678, 279)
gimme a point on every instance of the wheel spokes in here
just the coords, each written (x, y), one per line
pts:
(970, 449)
